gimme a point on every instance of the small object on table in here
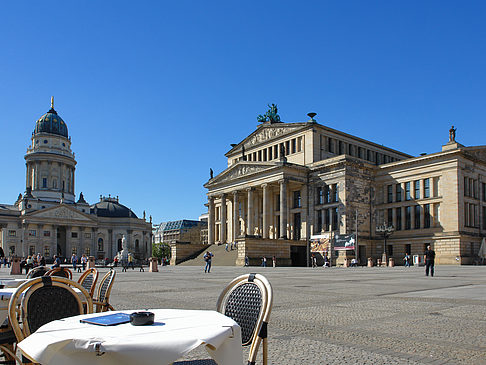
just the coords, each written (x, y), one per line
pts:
(141, 318)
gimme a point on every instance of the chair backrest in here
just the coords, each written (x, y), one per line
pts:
(104, 290)
(37, 271)
(45, 299)
(61, 272)
(248, 301)
(88, 280)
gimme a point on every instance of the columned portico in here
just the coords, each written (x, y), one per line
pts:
(265, 211)
(236, 217)
(283, 208)
(250, 213)
(210, 220)
(223, 219)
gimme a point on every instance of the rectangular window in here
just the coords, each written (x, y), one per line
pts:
(407, 190)
(319, 221)
(398, 192)
(12, 250)
(320, 195)
(297, 199)
(390, 250)
(87, 251)
(74, 234)
(389, 189)
(426, 188)
(417, 189)
(31, 250)
(47, 251)
(327, 194)
(390, 217)
(74, 250)
(32, 233)
(334, 218)
(417, 217)
(87, 235)
(408, 217)
(426, 215)
(335, 193)
(466, 186)
(12, 233)
(398, 226)
(327, 222)
(44, 182)
(47, 233)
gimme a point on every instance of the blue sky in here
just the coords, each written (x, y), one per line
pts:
(154, 92)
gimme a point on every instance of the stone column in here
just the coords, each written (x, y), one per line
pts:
(265, 211)
(304, 217)
(250, 213)
(210, 220)
(223, 218)
(283, 209)
(236, 216)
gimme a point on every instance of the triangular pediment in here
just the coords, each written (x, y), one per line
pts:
(267, 132)
(61, 212)
(240, 170)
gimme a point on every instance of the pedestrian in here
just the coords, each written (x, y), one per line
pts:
(407, 260)
(208, 256)
(264, 261)
(57, 262)
(226, 246)
(274, 261)
(326, 261)
(130, 261)
(314, 260)
(247, 260)
(429, 261)
(74, 261)
(42, 261)
(84, 261)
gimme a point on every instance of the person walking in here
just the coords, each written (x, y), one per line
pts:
(247, 261)
(130, 261)
(208, 256)
(314, 260)
(264, 261)
(407, 260)
(429, 261)
(74, 261)
(274, 261)
(84, 261)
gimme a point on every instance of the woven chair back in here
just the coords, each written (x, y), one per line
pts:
(88, 280)
(61, 272)
(37, 272)
(105, 286)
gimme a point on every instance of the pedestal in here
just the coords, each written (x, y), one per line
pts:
(91, 262)
(370, 262)
(15, 266)
(391, 262)
(346, 262)
(153, 267)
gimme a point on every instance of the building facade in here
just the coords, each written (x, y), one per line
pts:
(47, 219)
(288, 181)
(184, 230)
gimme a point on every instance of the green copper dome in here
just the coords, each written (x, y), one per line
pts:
(52, 123)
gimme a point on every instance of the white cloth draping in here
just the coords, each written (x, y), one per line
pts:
(12, 283)
(175, 333)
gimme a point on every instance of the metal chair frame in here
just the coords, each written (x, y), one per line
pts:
(102, 300)
(92, 271)
(57, 270)
(17, 307)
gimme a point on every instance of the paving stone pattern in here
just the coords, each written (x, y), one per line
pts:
(340, 315)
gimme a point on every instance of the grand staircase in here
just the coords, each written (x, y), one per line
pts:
(221, 257)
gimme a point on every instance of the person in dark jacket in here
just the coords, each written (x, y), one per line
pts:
(429, 261)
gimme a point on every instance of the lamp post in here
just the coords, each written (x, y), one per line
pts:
(386, 231)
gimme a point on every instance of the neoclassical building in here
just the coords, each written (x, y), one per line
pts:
(288, 181)
(47, 219)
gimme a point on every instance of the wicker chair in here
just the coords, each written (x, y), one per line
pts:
(248, 301)
(45, 299)
(8, 345)
(61, 272)
(88, 280)
(37, 272)
(102, 300)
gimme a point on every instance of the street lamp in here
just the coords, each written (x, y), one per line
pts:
(386, 231)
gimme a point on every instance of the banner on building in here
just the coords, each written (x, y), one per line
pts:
(320, 243)
(344, 242)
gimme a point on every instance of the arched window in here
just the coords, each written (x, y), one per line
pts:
(100, 244)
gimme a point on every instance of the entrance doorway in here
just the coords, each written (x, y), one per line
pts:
(61, 242)
(298, 255)
(363, 260)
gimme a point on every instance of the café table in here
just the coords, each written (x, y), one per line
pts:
(11, 283)
(174, 334)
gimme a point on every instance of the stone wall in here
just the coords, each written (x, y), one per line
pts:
(181, 251)
(256, 248)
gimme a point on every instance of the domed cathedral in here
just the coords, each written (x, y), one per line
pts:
(47, 219)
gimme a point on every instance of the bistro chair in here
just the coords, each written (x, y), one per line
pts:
(36, 272)
(61, 272)
(88, 280)
(248, 301)
(45, 299)
(8, 345)
(102, 300)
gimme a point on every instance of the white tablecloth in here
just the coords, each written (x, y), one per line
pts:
(12, 283)
(175, 333)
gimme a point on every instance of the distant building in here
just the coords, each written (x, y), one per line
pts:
(288, 181)
(47, 219)
(184, 230)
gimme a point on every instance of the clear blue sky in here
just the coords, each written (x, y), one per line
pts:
(154, 92)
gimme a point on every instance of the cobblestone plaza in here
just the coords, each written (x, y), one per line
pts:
(340, 315)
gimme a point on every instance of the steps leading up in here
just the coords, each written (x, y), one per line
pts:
(221, 257)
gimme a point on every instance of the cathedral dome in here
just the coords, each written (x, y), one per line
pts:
(110, 207)
(51, 123)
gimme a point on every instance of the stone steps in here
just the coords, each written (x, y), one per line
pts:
(221, 257)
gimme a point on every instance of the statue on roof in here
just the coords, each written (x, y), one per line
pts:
(270, 116)
(452, 134)
(211, 173)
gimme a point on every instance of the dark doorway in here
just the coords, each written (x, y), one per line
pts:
(61, 242)
(363, 260)
(120, 246)
(298, 255)
(297, 224)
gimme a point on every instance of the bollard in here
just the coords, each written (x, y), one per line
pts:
(91, 262)
(15, 266)
(153, 267)
(391, 262)
(346, 263)
(370, 262)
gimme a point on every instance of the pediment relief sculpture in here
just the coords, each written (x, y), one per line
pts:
(268, 133)
(240, 171)
(62, 213)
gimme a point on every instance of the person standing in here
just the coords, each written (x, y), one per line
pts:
(407, 260)
(264, 261)
(208, 256)
(274, 261)
(130, 261)
(84, 261)
(314, 260)
(247, 260)
(429, 261)
(74, 261)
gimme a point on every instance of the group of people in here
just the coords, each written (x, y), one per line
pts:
(429, 258)
(75, 261)
(232, 246)
(32, 261)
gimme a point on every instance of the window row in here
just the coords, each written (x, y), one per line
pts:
(274, 152)
(417, 189)
(339, 147)
(471, 218)
(413, 217)
(327, 194)
(471, 187)
(327, 220)
(33, 233)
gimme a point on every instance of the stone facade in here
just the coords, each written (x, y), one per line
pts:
(46, 219)
(288, 181)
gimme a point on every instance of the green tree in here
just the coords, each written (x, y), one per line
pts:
(161, 250)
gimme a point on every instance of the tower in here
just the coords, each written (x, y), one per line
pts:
(50, 163)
